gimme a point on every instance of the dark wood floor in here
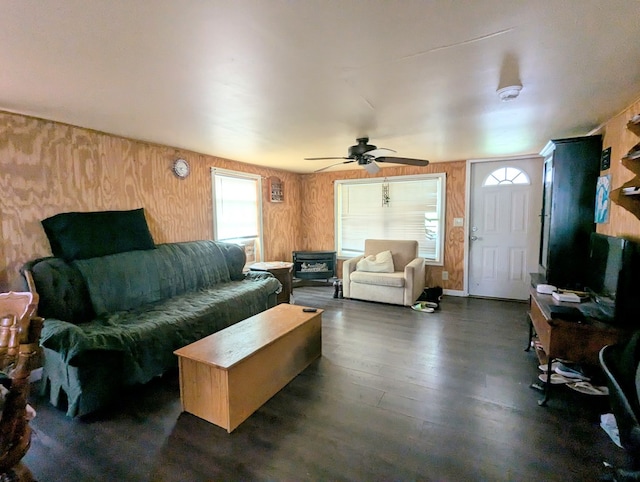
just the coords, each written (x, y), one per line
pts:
(397, 395)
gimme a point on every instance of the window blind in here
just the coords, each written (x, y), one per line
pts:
(413, 211)
(237, 211)
(236, 207)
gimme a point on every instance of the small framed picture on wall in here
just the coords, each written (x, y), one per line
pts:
(605, 159)
(602, 199)
(276, 190)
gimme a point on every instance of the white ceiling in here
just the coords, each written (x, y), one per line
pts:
(270, 82)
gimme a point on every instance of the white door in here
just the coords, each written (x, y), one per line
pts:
(504, 227)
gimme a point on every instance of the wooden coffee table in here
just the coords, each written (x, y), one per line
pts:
(227, 376)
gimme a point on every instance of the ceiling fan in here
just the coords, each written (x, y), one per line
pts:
(367, 155)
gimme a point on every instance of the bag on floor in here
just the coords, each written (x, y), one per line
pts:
(434, 295)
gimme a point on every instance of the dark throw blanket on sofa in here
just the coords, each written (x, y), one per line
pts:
(115, 320)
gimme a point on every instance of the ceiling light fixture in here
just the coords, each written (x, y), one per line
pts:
(509, 92)
(372, 167)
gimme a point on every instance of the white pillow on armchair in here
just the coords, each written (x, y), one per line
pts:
(379, 263)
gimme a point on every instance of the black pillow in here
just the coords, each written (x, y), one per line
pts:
(88, 235)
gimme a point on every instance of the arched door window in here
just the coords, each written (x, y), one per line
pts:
(506, 176)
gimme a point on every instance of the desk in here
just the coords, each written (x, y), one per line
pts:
(568, 340)
(283, 272)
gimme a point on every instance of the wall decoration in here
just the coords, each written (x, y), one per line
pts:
(603, 187)
(276, 190)
(605, 159)
(386, 198)
(181, 168)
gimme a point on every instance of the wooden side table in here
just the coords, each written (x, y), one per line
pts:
(283, 271)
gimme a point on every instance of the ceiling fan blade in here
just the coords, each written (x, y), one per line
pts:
(323, 158)
(382, 151)
(336, 164)
(403, 160)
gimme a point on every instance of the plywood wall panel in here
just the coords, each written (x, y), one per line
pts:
(47, 168)
(282, 219)
(317, 218)
(318, 214)
(455, 235)
(623, 216)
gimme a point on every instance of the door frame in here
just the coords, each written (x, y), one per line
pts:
(467, 207)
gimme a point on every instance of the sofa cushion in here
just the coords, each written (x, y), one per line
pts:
(127, 280)
(236, 259)
(62, 290)
(395, 279)
(378, 263)
(78, 235)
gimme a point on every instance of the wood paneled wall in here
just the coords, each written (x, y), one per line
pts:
(317, 212)
(48, 168)
(624, 214)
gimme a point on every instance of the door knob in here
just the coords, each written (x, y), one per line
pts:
(475, 238)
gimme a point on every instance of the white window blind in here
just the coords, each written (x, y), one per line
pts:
(237, 210)
(406, 207)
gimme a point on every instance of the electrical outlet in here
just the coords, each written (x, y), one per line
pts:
(445, 275)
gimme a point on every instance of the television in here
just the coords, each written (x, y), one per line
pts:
(612, 280)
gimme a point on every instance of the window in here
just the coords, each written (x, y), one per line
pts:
(506, 176)
(403, 207)
(237, 211)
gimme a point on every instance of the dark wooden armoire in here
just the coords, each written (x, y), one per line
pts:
(571, 170)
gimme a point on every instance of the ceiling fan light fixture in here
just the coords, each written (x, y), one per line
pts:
(372, 167)
(509, 92)
(365, 154)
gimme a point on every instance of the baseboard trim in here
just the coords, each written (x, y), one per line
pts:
(453, 293)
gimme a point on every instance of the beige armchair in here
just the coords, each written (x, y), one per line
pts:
(401, 287)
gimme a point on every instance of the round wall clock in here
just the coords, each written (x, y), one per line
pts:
(181, 168)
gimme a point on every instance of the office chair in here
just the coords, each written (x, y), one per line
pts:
(620, 364)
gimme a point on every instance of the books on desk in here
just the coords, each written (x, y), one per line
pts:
(566, 297)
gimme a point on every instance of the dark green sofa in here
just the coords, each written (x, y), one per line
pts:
(114, 321)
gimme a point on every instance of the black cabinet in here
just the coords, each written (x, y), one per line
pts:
(571, 169)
